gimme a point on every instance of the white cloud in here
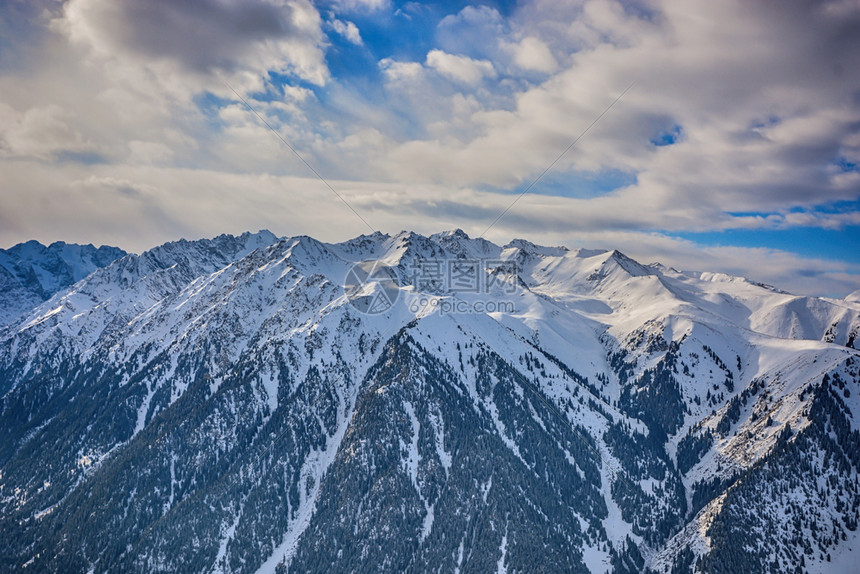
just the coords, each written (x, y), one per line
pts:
(533, 54)
(721, 85)
(361, 5)
(149, 152)
(399, 71)
(119, 81)
(40, 132)
(187, 47)
(475, 31)
(346, 29)
(460, 68)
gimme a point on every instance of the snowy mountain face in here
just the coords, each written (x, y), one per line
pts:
(31, 273)
(411, 403)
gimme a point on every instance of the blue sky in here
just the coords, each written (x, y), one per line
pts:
(736, 149)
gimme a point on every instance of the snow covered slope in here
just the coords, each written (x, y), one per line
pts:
(229, 405)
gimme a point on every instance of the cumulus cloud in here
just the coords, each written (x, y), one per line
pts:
(40, 132)
(361, 5)
(346, 29)
(474, 31)
(460, 68)
(533, 54)
(766, 106)
(124, 81)
(400, 71)
(200, 42)
(149, 152)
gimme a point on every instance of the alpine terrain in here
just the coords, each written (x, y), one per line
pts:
(419, 404)
(31, 272)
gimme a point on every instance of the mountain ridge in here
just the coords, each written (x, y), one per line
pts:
(601, 415)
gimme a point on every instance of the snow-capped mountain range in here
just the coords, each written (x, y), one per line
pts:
(31, 272)
(228, 405)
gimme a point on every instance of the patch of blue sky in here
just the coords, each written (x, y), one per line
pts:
(842, 244)
(82, 157)
(274, 88)
(668, 137)
(846, 206)
(407, 30)
(209, 104)
(348, 62)
(404, 32)
(766, 122)
(847, 165)
(580, 184)
(837, 207)
(21, 26)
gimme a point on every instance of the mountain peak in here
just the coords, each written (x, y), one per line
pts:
(631, 266)
(527, 247)
(457, 232)
(460, 244)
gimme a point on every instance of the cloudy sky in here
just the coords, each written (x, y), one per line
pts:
(735, 147)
